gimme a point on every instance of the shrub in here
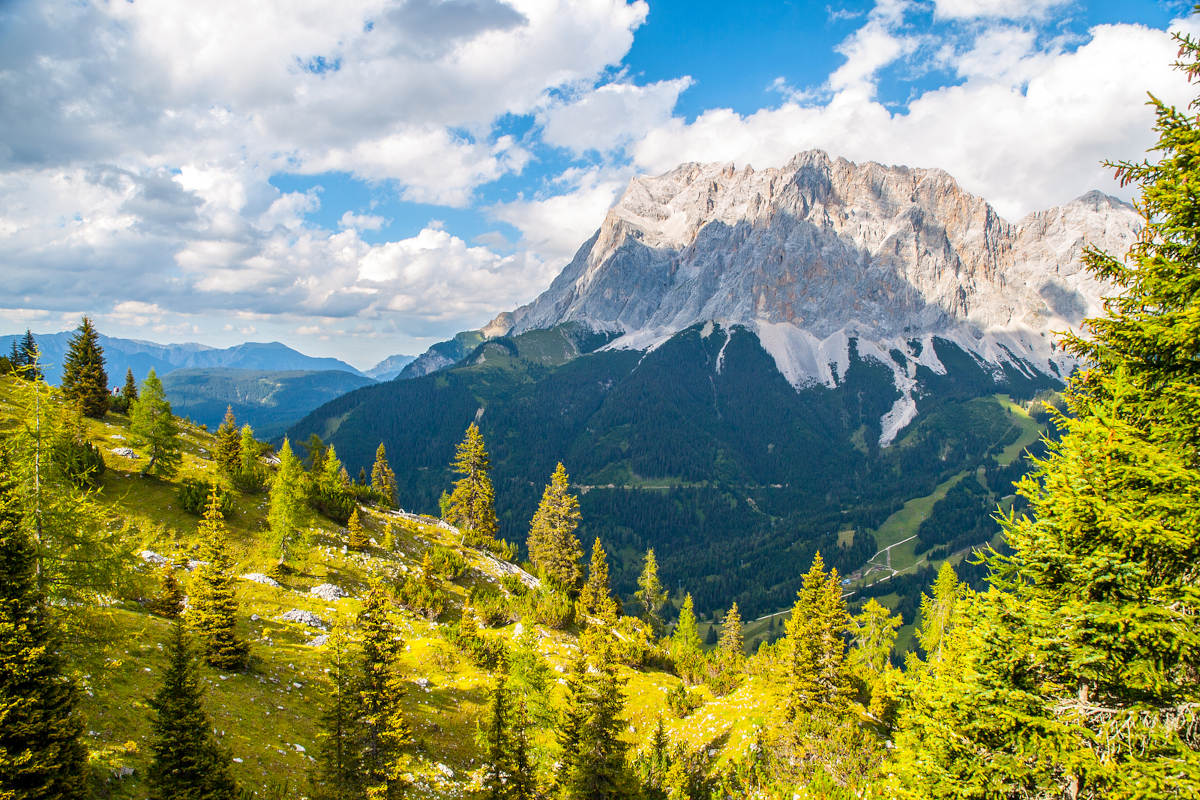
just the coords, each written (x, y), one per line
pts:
(193, 497)
(447, 564)
(333, 502)
(485, 652)
(80, 461)
(550, 608)
(682, 701)
(491, 606)
(421, 597)
(514, 585)
(251, 480)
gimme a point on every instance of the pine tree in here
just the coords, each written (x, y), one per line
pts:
(383, 480)
(84, 380)
(938, 612)
(1079, 667)
(41, 755)
(472, 503)
(214, 608)
(170, 600)
(227, 451)
(129, 390)
(596, 598)
(651, 595)
(731, 653)
(685, 643)
(591, 751)
(522, 784)
(187, 762)
(356, 538)
(384, 733)
(498, 753)
(874, 635)
(331, 488)
(816, 675)
(338, 769)
(153, 429)
(314, 449)
(286, 511)
(26, 358)
(553, 546)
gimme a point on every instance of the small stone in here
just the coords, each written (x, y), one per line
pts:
(258, 577)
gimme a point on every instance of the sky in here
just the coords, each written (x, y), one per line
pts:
(368, 177)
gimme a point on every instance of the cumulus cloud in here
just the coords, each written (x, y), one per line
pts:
(610, 116)
(1008, 9)
(1031, 134)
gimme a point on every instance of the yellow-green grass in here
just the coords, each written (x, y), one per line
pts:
(1031, 430)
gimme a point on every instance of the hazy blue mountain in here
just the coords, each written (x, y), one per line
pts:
(269, 400)
(141, 356)
(390, 367)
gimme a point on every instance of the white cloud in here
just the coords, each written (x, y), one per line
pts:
(1035, 139)
(611, 115)
(1007, 9)
(361, 222)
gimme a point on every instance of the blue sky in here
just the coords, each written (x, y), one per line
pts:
(366, 178)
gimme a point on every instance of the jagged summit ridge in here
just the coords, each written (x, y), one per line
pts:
(826, 244)
(823, 250)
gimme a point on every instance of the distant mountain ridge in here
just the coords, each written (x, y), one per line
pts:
(389, 367)
(143, 356)
(268, 400)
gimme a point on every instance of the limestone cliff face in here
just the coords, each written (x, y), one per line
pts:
(823, 250)
(825, 245)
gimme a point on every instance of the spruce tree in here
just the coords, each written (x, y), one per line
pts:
(84, 380)
(41, 755)
(472, 503)
(498, 753)
(129, 390)
(1079, 668)
(314, 449)
(170, 599)
(815, 651)
(214, 608)
(553, 546)
(383, 480)
(27, 358)
(384, 733)
(596, 598)
(685, 644)
(592, 753)
(337, 774)
(227, 451)
(938, 612)
(356, 537)
(154, 430)
(650, 594)
(286, 510)
(874, 634)
(186, 763)
(731, 653)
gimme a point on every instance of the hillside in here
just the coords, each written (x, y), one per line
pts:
(698, 448)
(268, 400)
(267, 716)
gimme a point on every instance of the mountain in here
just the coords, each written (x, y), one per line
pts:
(141, 356)
(389, 367)
(760, 365)
(269, 400)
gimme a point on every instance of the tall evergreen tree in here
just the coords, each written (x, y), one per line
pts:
(314, 450)
(84, 380)
(685, 645)
(384, 733)
(1079, 673)
(383, 480)
(553, 546)
(651, 595)
(41, 755)
(731, 653)
(507, 772)
(816, 674)
(26, 358)
(591, 751)
(129, 390)
(338, 769)
(227, 451)
(596, 598)
(938, 612)
(187, 763)
(153, 429)
(214, 608)
(331, 488)
(286, 511)
(356, 537)
(472, 503)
